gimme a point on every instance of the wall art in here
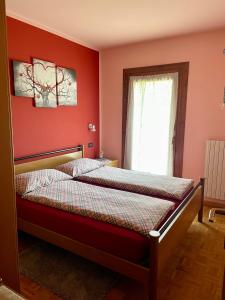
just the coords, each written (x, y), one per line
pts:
(66, 87)
(23, 79)
(44, 83)
(47, 84)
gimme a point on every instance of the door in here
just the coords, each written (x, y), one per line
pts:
(154, 118)
(8, 229)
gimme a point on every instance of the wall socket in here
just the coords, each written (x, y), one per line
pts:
(90, 145)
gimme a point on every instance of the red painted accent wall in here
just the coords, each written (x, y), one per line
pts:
(43, 129)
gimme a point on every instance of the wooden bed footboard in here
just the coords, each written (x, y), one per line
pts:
(164, 241)
(161, 247)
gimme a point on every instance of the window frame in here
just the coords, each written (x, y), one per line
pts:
(183, 71)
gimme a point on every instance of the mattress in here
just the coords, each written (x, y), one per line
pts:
(115, 240)
(165, 187)
(139, 213)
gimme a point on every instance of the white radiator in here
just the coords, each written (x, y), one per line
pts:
(215, 170)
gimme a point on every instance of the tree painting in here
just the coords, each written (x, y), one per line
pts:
(23, 79)
(44, 82)
(66, 87)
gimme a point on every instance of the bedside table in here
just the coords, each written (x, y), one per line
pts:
(108, 162)
(112, 163)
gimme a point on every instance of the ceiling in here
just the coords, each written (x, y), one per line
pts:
(108, 23)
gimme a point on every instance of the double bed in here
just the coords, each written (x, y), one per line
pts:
(124, 249)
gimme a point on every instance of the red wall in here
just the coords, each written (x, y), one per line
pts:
(42, 129)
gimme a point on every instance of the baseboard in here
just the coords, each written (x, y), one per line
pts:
(214, 203)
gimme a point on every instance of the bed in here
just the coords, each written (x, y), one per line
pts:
(157, 248)
(114, 221)
(161, 186)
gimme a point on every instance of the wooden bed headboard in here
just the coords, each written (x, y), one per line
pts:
(48, 162)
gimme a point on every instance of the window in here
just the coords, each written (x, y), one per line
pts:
(154, 118)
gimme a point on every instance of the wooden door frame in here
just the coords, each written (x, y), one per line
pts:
(8, 224)
(183, 70)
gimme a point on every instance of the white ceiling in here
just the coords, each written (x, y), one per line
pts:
(107, 23)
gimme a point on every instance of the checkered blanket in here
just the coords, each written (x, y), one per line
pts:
(140, 182)
(135, 212)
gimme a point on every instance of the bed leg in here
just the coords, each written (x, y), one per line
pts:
(153, 265)
(200, 213)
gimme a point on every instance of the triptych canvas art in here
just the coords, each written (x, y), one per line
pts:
(47, 84)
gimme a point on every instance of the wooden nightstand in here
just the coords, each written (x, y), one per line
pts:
(112, 163)
(109, 162)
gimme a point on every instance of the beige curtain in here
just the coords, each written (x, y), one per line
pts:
(151, 116)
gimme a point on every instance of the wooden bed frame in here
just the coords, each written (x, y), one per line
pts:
(162, 243)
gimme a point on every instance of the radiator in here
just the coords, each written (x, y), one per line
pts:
(215, 170)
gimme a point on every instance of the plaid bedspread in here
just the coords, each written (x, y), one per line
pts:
(135, 212)
(140, 182)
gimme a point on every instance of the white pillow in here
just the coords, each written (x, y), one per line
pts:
(30, 181)
(80, 166)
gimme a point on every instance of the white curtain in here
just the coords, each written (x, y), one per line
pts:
(151, 116)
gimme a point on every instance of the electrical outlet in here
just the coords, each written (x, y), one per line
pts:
(90, 145)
